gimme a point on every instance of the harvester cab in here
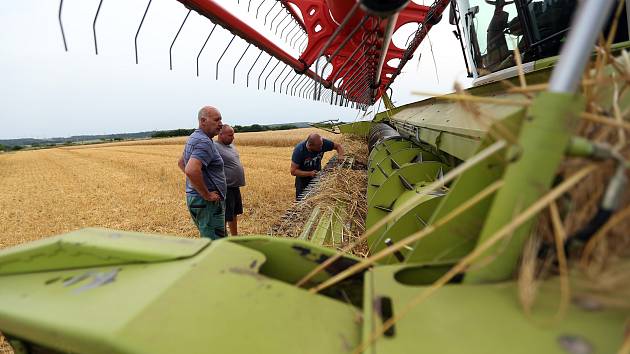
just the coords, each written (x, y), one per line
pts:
(431, 238)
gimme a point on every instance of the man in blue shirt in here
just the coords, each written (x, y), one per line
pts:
(306, 160)
(205, 179)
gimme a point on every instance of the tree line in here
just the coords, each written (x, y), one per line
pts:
(237, 129)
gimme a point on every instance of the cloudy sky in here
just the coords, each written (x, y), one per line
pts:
(47, 92)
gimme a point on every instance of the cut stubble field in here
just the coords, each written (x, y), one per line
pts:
(134, 186)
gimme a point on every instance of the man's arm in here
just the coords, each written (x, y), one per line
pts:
(181, 164)
(195, 176)
(340, 152)
(295, 171)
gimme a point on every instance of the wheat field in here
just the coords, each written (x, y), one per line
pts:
(134, 186)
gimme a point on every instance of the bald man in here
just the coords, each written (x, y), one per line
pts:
(306, 160)
(205, 179)
(234, 176)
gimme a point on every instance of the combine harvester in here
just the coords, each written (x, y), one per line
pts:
(493, 214)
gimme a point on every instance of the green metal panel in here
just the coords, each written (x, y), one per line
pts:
(380, 171)
(214, 301)
(388, 147)
(480, 319)
(361, 129)
(96, 247)
(301, 256)
(384, 199)
(448, 126)
(543, 139)
(408, 223)
(457, 238)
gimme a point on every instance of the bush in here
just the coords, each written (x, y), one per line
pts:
(172, 133)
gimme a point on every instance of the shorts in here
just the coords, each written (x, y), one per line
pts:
(233, 203)
(209, 217)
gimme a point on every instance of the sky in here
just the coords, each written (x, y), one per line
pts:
(48, 92)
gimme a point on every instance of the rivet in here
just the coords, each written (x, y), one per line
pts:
(575, 344)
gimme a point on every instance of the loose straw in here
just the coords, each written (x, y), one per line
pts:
(560, 236)
(409, 239)
(605, 120)
(482, 248)
(482, 155)
(612, 222)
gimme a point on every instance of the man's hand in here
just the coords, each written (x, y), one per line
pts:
(312, 173)
(212, 196)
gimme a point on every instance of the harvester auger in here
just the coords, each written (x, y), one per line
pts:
(477, 234)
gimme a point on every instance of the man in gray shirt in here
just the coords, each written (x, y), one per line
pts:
(205, 179)
(234, 175)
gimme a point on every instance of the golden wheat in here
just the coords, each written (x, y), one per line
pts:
(133, 186)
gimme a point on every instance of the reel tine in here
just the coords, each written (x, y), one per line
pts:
(63, 34)
(259, 6)
(252, 67)
(274, 68)
(263, 70)
(138, 32)
(170, 51)
(221, 57)
(94, 25)
(203, 46)
(238, 62)
(275, 17)
(295, 24)
(287, 25)
(276, 80)
(268, 12)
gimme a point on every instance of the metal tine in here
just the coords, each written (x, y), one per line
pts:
(63, 34)
(303, 44)
(345, 41)
(274, 68)
(356, 79)
(221, 57)
(303, 88)
(204, 45)
(276, 80)
(286, 15)
(350, 90)
(135, 41)
(295, 34)
(342, 45)
(295, 26)
(259, 6)
(349, 79)
(296, 84)
(287, 26)
(286, 91)
(238, 62)
(268, 12)
(343, 66)
(170, 51)
(94, 25)
(252, 67)
(263, 70)
(338, 30)
(275, 17)
(306, 87)
(312, 90)
(292, 30)
(360, 86)
(354, 75)
(316, 63)
(249, 4)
